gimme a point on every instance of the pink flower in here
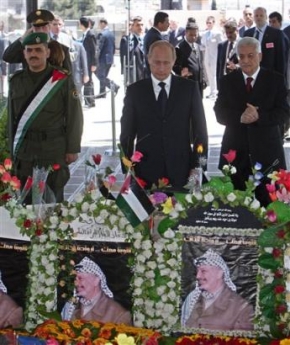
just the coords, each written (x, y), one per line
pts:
(15, 183)
(6, 177)
(230, 156)
(56, 167)
(111, 180)
(8, 164)
(271, 188)
(2, 169)
(41, 186)
(136, 157)
(52, 341)
(271, 215)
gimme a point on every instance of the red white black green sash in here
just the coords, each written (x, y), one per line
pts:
(44, 95)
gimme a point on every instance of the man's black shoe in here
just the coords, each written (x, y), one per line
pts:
(117, 87)
(101, 95)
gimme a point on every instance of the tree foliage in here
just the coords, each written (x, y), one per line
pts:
(71, 9)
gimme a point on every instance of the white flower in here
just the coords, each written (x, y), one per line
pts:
(78, 198)
(52, 257)
(171, 284)
(137, 235)
(172, 262)
(42, 238)
(49, 305)
(138, 301)
(95, 194)
(149, 274)
(146, 244)
(122, 222)
(168, 308)
(64, 211)
(164, 298)
(92, 207)
(138, 282)
(53, 235)
(247, 200)
(188, 198)
(139, 268)
(73, 212)
(165, 272)
(63, 226)
(231, 197)
(208, 197)
(169, 233)
(138, 292)
(233, 170)
(152, 265)
(178, 207)
(197, 195)
(104, 214)
(149, 304)
(140, 318)
(147, 254)
(255, 204)
(85, 207)
(172, 247)
(137, 244)
(50, 281)
(172, 295)
(113, 219)
(160, 291)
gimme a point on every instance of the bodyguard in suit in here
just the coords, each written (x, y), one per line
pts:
(90, 44)
(227, 59)
(135, 44)
(252, 105)
(160, 24)
(176, 33)
(106, 51)
(189, 58)
(271, 40)
(248, 20)
(162, 117)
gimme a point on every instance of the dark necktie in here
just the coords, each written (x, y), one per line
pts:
(257, 34)
(55, 37)
(231, 45)
(249, 84)
(162, 98)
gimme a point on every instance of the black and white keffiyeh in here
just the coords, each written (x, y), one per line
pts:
(2, 286)
(209, 258)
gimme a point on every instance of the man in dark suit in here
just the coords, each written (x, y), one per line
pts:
(252, 111)
(248, 20)
(176, 33)
(160, 24)
(227, 59)
(165, 115)
(132, 45)
(271, 40)
(90, 44)
(40, 22)
(189, 58)
(106, 51)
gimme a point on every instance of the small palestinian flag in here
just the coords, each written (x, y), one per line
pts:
(134, 202)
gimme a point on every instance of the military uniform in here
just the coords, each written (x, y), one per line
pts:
(57, 129)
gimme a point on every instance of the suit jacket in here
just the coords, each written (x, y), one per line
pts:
(136, 52)
(209, 42)
(90, 45)
(11, 315)
(222, 58)
(106, 46)
(105, 310)
(79, 63)
(14, 54)
(273, 49)
(175, 38)
(185, 57)
(262, 140)
(164, 142)
(151, 36)
(228, 312)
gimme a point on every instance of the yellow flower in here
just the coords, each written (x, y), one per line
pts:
(167, 206)
(199, 149)
(77, 323)
(285, 342)
(86, 332)
(123, 339)
(127, 162)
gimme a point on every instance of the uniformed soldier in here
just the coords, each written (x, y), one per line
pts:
(45, 116)
(40, 22)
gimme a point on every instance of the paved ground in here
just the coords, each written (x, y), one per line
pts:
(98, 134)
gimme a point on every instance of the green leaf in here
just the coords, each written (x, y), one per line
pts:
(180, 197)
(269, 238)
(267, 296)
(53, 315)
(165, 224)
(267, 261)
(281, 209)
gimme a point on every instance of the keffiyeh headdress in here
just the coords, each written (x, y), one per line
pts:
(2, 286)
(209, 258)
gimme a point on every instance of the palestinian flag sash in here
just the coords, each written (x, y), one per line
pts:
(43, 96)
(134, 202)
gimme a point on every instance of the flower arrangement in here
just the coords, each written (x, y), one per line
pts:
(9, 184)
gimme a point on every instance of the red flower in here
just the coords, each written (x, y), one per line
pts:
(278, 274)
(41, 186)
(163, 182)
(5, 197)
(279, 289)
(55, 167)
(281, 234)
(275, 342)
(28, 183)
(27, 223)
(276, 253)
(230, 156)
(280, 309)
(38, 232)
(141, 182)
(8, 164)
(271, 215)
(97, 158)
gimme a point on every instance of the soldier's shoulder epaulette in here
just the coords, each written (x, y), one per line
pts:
(11, 76)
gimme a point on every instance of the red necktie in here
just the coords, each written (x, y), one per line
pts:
(249, 84)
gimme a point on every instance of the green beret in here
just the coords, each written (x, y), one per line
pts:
(40, 17)
(35, 38)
